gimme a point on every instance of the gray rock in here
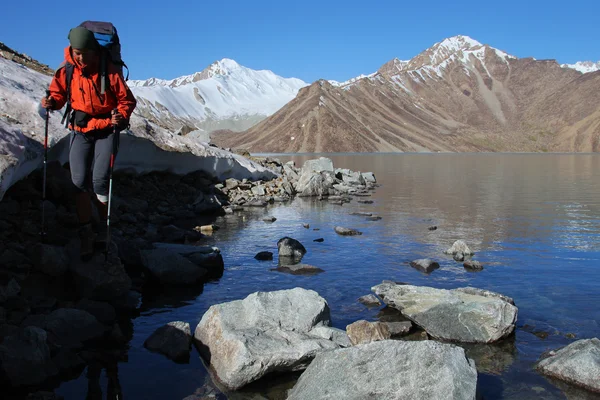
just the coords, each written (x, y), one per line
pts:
(270, 219)
(288, 247)
(259, 190)
(290, 172)
(365, 201)
(171, 268)
(315, 184)
(353, 178)
(472, 265)
(173, 340)
(361, 332)
(317, 165)
(369, 300)
(399, 328)
(389, 369)
(25, 357)
(346, 231)
(374, 218)
(231, 183)
(452, 314)
(334, 334)
(425, 265)
(369, 177)
(299, 269)
(51, 260)
(459, 247)
(265, 332)
(577, 363)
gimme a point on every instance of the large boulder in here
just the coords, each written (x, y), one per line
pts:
(265, 332)
(458, 315)
(389, 369)
(315, 184)
(25, 357)
(577, 363)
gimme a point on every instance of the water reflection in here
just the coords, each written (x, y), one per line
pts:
(532, 220)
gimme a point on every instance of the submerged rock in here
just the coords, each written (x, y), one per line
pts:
(425, 265)
(299, 269)
(389, 369)
(369, 300)
(472, 265)
(264, 256)
(459, 315)
(173, 340)
(265, 332)
(346, 231)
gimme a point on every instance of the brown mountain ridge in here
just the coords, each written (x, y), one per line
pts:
(457, 96)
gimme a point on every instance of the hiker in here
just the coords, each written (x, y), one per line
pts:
(92, 125)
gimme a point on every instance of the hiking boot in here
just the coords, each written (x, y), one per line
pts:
(86, 237)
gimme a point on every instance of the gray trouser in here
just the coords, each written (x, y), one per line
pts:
(89, 160)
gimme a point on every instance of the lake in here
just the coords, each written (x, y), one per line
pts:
(533, 221)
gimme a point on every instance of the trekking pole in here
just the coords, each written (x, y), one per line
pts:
(112, 165)
(43, 233)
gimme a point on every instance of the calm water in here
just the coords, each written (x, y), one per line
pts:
(532, 220)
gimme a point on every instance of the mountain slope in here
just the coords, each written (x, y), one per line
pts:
(225, 95)
(458, 95)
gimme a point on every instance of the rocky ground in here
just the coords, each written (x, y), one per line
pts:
(60, 315)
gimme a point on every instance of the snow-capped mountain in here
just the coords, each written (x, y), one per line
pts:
(145, 148)
(584, 66)
(226, 95)
(457, 95)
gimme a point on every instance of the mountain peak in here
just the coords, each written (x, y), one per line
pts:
(458, 43)
(223, 67)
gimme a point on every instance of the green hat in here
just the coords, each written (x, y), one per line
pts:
(82, 38)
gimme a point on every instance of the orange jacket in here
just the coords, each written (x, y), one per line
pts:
(86, 97)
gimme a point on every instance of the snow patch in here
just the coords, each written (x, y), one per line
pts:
(584, 66)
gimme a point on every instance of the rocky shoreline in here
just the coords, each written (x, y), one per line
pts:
(59, 315)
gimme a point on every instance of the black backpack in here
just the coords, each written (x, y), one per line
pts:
(110, 45)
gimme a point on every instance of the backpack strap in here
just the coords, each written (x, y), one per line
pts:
(103, 68)
(69, 77)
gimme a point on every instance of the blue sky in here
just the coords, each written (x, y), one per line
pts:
(306, 39)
